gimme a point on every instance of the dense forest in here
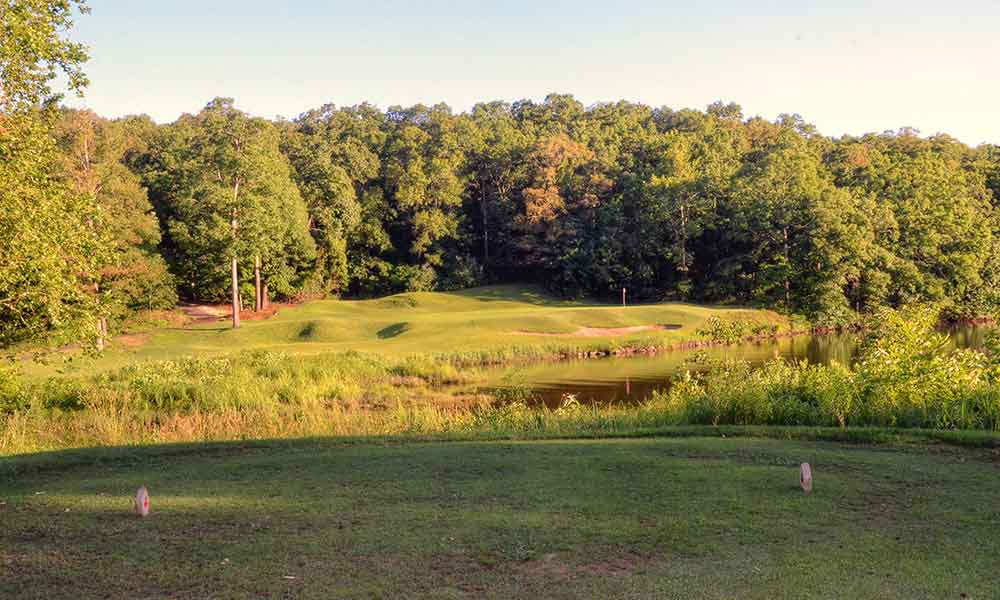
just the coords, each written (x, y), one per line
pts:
(102, 218)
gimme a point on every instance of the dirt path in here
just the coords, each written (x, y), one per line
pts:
(602, 331)
(201, 313)
(204, 312)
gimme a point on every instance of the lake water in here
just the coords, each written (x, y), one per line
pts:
(631, 379)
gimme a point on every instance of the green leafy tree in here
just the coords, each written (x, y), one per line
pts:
(423, 166)
(334, 155)
(224, 190)
(50, 252)
(562, 216)
(797, 227)
(92, 153)
(496, 166)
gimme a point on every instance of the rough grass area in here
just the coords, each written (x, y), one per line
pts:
(485, 324)
(640, 518)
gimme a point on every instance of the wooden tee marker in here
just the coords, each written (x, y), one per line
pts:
(806, 478)
(141, 503)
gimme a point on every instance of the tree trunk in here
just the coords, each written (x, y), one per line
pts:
(683, 236)
(266, 301)
(788, 265)
(102, 324)
(235, 273)
(486, 231)
(258, 302)
(102, 332)
(236, 295)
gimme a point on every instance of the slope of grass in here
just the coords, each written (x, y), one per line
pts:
(480, 321)
(640, 518)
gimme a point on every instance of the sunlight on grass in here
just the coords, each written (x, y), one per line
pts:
(479, 321)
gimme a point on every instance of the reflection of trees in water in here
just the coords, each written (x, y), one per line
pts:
(843, 348)
(833, 348)
(968, 336)
(633, 379)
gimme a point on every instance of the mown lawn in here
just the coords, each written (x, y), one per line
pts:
(639, 518)
(476, 320)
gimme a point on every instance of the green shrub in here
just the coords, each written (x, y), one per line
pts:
(11, 390)
(907, 376)
(731, 331)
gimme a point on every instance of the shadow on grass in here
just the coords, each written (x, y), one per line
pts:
(504, 520)
(66, 460)
(515, 293)
(394, 330)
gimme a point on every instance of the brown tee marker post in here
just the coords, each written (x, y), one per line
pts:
(806, 478)
(141, 502)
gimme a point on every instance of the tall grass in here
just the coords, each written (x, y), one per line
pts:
(907, 378)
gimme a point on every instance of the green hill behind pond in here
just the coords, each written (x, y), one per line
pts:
(476, 320)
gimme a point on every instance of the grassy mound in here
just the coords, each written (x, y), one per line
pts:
(479, 321)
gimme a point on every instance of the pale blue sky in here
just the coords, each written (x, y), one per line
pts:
(846, 66)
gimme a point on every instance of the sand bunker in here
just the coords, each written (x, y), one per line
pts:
(601, 331)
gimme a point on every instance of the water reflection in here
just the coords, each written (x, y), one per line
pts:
(631, 379)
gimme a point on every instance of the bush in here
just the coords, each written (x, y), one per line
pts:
(908, 376)
(11, 397)
(731, 331)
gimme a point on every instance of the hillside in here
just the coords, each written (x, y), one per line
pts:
(479, 319)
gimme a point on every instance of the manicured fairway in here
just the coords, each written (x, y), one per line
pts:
(641, 518)
(476, 320)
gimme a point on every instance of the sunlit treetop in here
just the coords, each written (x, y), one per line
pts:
(34, 50)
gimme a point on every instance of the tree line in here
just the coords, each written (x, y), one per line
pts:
(112, 216)
(703, 206)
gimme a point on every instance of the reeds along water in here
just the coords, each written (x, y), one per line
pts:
(907, 376)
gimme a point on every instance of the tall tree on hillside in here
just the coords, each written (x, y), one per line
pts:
(991, 171)
(423, 179)
(50, 253)
(334, 155)
(562, 218)
(798, 228)
(225, 191)
(496, 173)
(92, 150)
(686, 190)
(937, 238)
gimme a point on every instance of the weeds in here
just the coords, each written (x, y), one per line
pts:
(731, 331)
(907, 378)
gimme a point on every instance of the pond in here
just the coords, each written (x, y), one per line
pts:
(632, 379)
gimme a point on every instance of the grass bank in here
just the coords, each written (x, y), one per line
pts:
(908, 376)
(692, 517)
(420, 415)
(487, 325)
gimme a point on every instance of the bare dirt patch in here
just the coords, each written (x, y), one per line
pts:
(550, 565)
(603, 331)
(205, 312)
(132, 340)
(547, 566)
(202, 313)
(615, 567)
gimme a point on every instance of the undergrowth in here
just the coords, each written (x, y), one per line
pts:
(907, 377)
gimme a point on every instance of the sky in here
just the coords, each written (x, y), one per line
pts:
(848, 67)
